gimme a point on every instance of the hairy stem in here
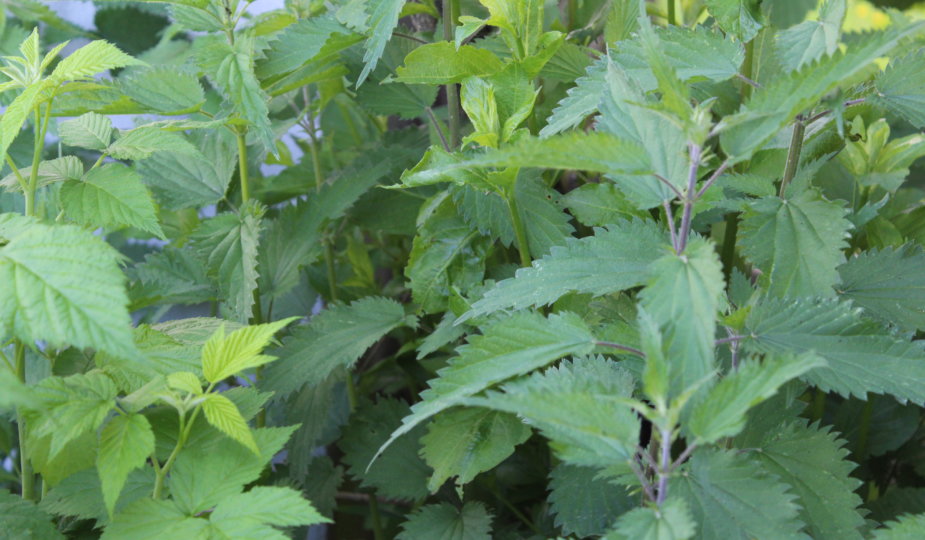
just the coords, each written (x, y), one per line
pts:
(793, 154)
(450, 14)
(38, 146)
(689, 198)
(27, 478)
(309, 127)
(520, 233)
(672, 16)
(664, 468)
(242, 166)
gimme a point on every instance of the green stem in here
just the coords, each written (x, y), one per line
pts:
(184, 432)
(520, 233)
(729, 244)
(38, 146)
(864, 428)
(27, 478)
(450, 14)
(818, 404)
(376, 518)
(23, 184)
(329, 268)
(793, 154)
(748, 68)
(309, 127)
(672, 17)
(242, 166)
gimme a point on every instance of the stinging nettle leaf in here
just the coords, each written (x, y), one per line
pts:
(442, 63)
(901, 88)
(671, 521)
(144, 141)
(126, 442)
(584, 503)
(444, 521)
(383, 19)
(888, 284)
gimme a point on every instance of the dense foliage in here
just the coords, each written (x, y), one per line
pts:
(463, 269)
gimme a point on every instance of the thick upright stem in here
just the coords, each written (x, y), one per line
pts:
(672, 16)
(664, 466)
(242, 166)
(793, 155)
(450, 13)
(520, 233)
(38, 146)
(689, 198)
(27, 478)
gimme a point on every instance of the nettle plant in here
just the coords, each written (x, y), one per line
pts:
(462, 269)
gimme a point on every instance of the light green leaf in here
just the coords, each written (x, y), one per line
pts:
(334, 338)
(580, 101)
(224, 356)
(683, 296)
(71, 407)
(63, 285)
(252, 514)
(400, 473)
(171, 276)
(21, 518)
(907, 527)
(147, 519)
(125, 444)
(87, 61)
(465, 442)
(16, 113)
(163, 89)
(231, 70)
(211, 469)
(540, 211)
(888, 284)
(299, 43)
(797, 243)
(508, 348)
(383, 19)
(901, 88)
(736, 17)
(583, 503)
(189, 180)
(812, 461)
(445, 522)
(809, 40)
(733, 498)
(222, 413)
(51, 171)
(598, 205)
(442, 63)
(186, 381)
(80, 494)
(671, 521)
(111, 196)
(228, 243)
(144, 141)
(723, 410)
(613, 259)
(580, 406)
(91, 130)
(862, 357)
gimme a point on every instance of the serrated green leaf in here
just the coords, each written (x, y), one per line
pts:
(87, 61)
(580, 101)
(907, 527)
(188, 180)
(212, 469)
(545, 224)
(110, 196)
(80, 494)
(231, 70)
(171, 276)
(462, 443)
(507, 348)
(186, 381)
(400, 473)
(862, 357)
(163, 89)
(598, 205)
(224, 356)
(222, 413)
(445, 522)
(736, 17)
(731, 497)
(148, 518)
(383, 18)
(16, 113)
(613, 259)
(683, 296)
(91, 130)
(51, 171)
(583, 503)
(776, 104)
(228, 243)
(901, 88)
(254, 513)
(723, 410)
(299, 43)
(887, 284)
(812, 461)
(64, 286)
(797, 242)
(335, 337)
(442, 63)
(21, 518)
(144, 141)
(809, 40)
(125, 444)
(671, 521)
(578, 406)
